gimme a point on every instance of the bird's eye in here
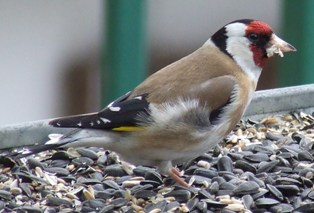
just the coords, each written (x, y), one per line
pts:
(253, 37)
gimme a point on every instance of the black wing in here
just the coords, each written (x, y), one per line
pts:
(120, 115)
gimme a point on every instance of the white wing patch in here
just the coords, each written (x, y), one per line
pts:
(114, 109)
(105, 120)
(138, 98)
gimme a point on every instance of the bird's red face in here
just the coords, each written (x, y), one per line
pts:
(250, 43)
(259, 34)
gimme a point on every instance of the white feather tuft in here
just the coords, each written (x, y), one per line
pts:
(54, 138)
(165, 113)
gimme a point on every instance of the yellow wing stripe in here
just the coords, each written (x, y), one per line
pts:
(128, 128)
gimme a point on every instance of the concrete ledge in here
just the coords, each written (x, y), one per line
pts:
(28, 133)
(266, 102)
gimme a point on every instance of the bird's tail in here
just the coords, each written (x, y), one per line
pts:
(75, 138)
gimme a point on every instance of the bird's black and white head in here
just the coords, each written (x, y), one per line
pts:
(250, 43)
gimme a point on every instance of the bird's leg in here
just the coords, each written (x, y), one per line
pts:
(175, 175)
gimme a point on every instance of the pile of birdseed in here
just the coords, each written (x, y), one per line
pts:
(262, 166)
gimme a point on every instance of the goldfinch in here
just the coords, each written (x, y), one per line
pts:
(184, 109)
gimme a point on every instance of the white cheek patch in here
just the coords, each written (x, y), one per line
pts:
(238, 46)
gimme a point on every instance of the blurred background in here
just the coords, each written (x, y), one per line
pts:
(61, 57)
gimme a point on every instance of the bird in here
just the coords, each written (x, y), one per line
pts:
(183, 110)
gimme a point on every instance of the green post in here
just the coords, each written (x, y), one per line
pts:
(125, 54)
(298, 68)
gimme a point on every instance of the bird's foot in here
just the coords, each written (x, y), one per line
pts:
(176, 176)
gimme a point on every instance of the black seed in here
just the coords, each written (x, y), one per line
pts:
(311, 195)
(87, 181)
(252, 177)
(26, 189)
(60, 155)
(107, 209)
(267, 166)
(282, 208)
(153, 176)
(142, 170)
(305, 156)
(275, 192)
(205, 173)
(138, 188)
(59, 163)
(5, 195)
(103, 194)
(32, 163)
(258, 157)
(305, 193)
(3, 178)
(119, 202)
(235, 156)
(192, 204)
(114, 170)
(219, 180)
(283, 169)
(102, 160)
(145, 194)
(245, 166)
(172, 206)
(260, 194)
(179, 195)
(307, 182)
(225, 164)
(111, 184)
(288, 190)
(248, 187)
(214, 188)
(306, 208)
(154, 184)
(248, 201)
(273, 136)
(204, 194)
(227, 185)
(29, 209)
(228, 176)
(287, 181)
(58, 171)
(95, 204)
(199, 179)
(265, 202)
(214, 204)
(159, 206)
(224, 192)
(82, 161)
(87, 153)
(202, 206)
(54, 201)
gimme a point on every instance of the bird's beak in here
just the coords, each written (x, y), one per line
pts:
(278, 46)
